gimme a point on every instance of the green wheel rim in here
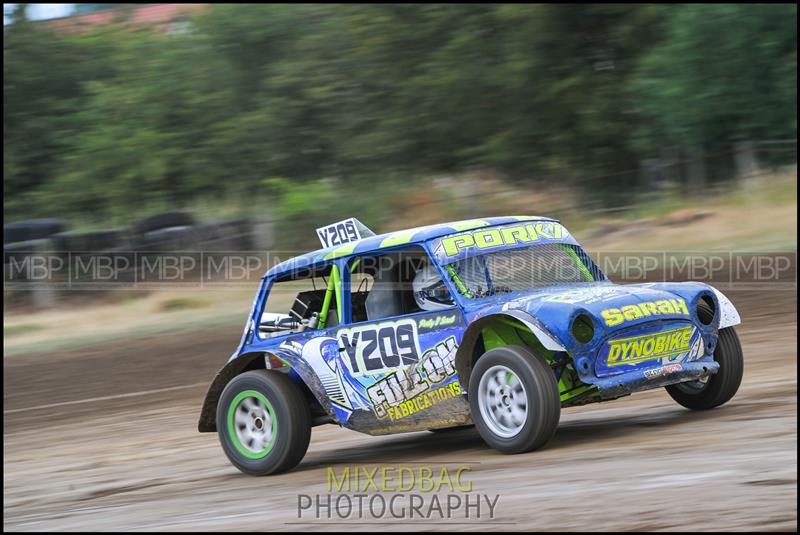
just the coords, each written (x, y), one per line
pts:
(237, 404)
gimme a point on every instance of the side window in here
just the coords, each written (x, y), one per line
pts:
(304, 301)
(383, 286)
(360, 285)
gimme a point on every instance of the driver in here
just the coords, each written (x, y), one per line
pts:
(430, 291)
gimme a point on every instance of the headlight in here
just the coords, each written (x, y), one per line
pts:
(582, 328)
(706, 310)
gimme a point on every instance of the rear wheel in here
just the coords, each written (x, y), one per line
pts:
(716, 389)
(263, 422)
(514, 399)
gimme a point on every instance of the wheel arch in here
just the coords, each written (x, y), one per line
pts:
(246, 362)
(473, 343)
(728, 315)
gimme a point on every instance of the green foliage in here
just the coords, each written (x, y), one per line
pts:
(723, 73)
(348, 102)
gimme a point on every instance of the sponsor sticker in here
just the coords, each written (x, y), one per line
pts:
(427, 324)
(649, 346)
(505, 236)
(663, 370)
(410, 391)
(615, 316)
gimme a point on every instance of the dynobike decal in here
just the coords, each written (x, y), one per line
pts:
(409, 391)
(650, 346)
(674, 343)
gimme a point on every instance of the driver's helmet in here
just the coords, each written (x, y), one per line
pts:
(430, 291)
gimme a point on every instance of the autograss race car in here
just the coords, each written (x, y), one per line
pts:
(497, 322)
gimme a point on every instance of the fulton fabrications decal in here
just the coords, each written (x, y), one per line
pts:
(409, 391)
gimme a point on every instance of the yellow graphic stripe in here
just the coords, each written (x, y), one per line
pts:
(344, 250)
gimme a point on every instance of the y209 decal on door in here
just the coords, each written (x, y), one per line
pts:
(379, 348)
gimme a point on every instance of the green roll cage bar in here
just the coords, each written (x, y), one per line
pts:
(333, 286)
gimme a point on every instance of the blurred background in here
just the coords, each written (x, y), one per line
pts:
(158, 128)
(308, 113)
(230, 132)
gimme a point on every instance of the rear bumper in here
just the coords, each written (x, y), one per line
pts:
(668, 374)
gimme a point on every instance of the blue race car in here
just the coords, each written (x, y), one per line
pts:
(497, 322)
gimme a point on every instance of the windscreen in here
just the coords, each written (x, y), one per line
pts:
(521, 269)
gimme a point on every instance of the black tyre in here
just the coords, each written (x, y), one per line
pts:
(165, 220)
(514, 399)
(94, 241)
(719, 388)
(263, 422)
(169, 239)
(34, 229)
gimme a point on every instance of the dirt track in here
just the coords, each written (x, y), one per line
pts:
(118, 459)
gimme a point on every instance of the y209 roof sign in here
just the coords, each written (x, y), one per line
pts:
(342, 232)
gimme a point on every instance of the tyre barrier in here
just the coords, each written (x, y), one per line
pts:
(34, 229)
(71, 253)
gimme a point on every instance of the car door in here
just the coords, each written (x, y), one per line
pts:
(396, 359)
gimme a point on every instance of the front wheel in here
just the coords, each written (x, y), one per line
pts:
(263, 422)
(716, 389)
(514, 399)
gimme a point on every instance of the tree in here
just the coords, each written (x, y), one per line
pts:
(723, 73)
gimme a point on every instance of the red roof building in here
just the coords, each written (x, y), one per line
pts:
(165, 17)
